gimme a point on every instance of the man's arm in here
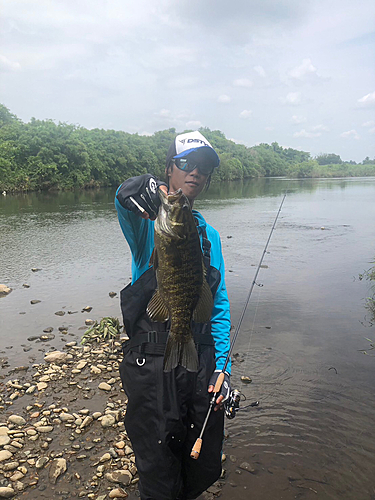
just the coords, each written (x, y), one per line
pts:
(137, 202)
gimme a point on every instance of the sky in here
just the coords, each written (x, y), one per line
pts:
(298, 72)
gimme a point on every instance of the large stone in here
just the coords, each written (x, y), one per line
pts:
(56, 357)
(4, 431)
(6, 492)
(4, 290)
(5, 455)
(16, 419)
(57, 468)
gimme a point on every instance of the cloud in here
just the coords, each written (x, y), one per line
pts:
(224, 99)
(246, 113)
(368, 100)
(269, 129)
(321, 127)
(298, 119)
(243, 82)
(194, 124)
(164, 113)
(350, 133)
(372, 130)
(7, 65)
(304, 133)
(293, 98)
(260, 71)
(304, 72)
(368, 124)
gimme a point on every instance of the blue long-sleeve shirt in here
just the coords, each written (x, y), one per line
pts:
(139, 234)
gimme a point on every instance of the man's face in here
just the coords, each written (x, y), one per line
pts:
(191, 183)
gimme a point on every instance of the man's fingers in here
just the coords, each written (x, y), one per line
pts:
(210, 388)
(164, 189)
(219, 399)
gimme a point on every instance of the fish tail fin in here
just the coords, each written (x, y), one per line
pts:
(180, 353)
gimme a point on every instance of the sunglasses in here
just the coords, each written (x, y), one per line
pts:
(205, 168)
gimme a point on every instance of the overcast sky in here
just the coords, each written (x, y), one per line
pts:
(299, 72)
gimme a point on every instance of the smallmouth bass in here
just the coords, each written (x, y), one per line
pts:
(183, 293)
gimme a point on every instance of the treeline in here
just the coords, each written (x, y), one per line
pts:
(43, 155)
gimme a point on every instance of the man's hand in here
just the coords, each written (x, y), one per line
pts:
(140, 195)
(224, 390)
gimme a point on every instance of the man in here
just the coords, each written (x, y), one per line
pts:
(166, 410)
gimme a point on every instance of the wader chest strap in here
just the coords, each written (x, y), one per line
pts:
(154, 342)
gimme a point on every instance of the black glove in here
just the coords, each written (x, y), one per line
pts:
(140, 194)
(225, 386)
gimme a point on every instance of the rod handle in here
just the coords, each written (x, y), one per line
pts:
(219, 382)
(195, 451)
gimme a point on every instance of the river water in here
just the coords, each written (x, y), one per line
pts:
(312, 434)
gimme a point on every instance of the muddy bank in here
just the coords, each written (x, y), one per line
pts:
(61, 428)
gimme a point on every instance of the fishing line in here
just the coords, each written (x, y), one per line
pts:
(251, 334)
(195, 452)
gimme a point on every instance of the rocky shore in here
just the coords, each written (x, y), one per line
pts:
(61, 428)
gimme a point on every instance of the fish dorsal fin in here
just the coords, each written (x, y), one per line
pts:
(202, 312)
(156, 309)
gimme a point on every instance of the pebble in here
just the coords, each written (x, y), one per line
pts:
(66, 417)
(4, 440)
(34, 301)
(31, 389)
(60, 313)
(57, 468)
(56, 357)
(104, 386)
(5, 455)
(87, 421)
(95, 371)
(119, 476)
(16, 476)
(10, 466)
(6, 492)
(103, 458)
(41, 386)
(45, 428)
(108, 420)
(117, 493)
(16, 419)
(247, 466)
(89, 321)
(4, 431)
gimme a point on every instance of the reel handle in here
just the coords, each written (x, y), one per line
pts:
(219, 383)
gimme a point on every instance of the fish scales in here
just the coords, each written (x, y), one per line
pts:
(183, 291)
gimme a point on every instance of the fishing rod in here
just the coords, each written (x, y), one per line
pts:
(235, 397)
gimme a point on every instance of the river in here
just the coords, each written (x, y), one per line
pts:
(312, 434)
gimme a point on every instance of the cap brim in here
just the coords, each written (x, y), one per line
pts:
(203, 152)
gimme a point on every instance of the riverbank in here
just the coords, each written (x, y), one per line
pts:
(61, 428)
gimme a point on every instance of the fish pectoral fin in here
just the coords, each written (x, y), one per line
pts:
(202, 312)
(154, 259)
(156, 308)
